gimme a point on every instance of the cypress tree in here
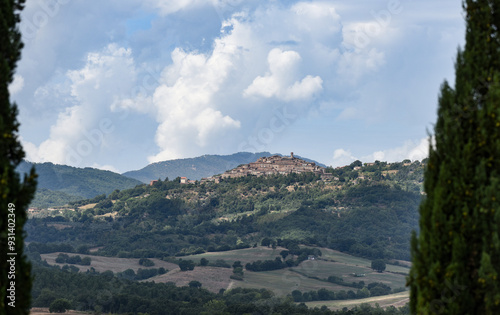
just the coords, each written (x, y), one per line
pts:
(15, 195)
(456, 256)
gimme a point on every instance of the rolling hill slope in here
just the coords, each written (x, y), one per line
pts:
(80, 182)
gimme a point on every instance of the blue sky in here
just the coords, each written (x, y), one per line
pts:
(120, 84)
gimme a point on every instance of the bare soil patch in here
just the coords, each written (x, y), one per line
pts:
(212, 278)
(95, 249)
(88, 206)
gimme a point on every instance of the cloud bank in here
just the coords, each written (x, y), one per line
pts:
(124, 83)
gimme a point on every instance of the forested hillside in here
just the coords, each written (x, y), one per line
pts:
(59, 184)
(371, 217)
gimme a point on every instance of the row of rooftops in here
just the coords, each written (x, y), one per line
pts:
(272, 165)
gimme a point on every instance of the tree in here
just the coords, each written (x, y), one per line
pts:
(146, 262)
(266, 242)
(237, 264)
(215, 307)
(377, 289)
(204, 262)
(456, 256)
(378, 265)
(195, 284)
(186, 265)
(83, 249)
(59, 306)
(15, 195)
(86, 261)
(356, 163)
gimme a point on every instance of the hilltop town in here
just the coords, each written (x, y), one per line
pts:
(270, 166)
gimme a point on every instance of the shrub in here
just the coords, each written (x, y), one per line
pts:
(195, 284)
(86, 261)
(146, 262)
(186, 265)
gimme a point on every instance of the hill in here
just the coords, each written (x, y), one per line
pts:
(198, 167)
(61, 183)
(293, 234)
(367, 211)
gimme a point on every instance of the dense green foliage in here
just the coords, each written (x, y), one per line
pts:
(456, 257)
(46, 198)
(340, 280)
(141, 274)
(373, 289)
(73, 260)
(15, 195)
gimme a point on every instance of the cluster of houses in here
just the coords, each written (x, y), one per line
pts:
(269, 166)
(281, 165)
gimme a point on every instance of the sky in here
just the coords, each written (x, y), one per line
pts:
(119, 84)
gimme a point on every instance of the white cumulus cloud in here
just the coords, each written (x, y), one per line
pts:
(412, 150)
(166, 7)
(187, 115)
(81, 130)
(279, 81)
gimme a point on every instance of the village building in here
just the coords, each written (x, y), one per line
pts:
(185, 180)
(273, 165)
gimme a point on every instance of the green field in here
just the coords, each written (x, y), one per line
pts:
(300, 278)
(284, 281)
(245, 255)
(340, 257)
(323, 269)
